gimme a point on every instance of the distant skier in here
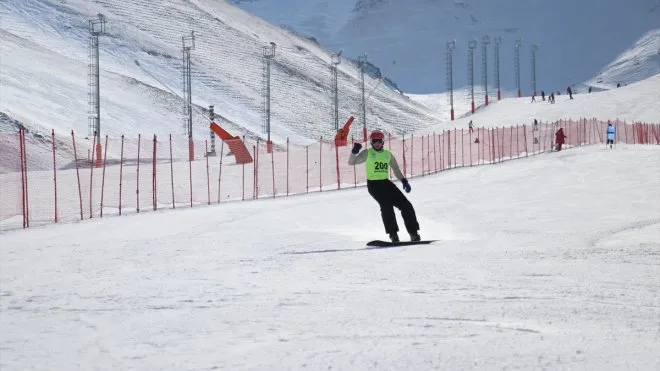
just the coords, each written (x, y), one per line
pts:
(570, 92)
(611, 135)
(471, 126)
(560, 138)
(543, 95)
(378, 163)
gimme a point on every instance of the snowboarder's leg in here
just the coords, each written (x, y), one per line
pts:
(400, 201)
(379, 190)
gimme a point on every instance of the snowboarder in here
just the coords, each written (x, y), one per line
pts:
(611, 134)
(560, 137)
(570, 92)
(378, 163)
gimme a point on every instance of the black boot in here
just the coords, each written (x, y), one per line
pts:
(394, 237)
(415, 237)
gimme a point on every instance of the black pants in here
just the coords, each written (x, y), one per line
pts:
(389, 196)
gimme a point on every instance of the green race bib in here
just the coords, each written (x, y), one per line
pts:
(378, 164)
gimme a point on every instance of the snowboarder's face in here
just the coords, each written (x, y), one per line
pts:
(377, 144)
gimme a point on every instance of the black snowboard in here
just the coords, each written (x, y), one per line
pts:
(379, 243)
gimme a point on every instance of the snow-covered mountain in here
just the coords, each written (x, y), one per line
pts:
(407, 39)
(44, 67)
(44, 72)
(639, 62)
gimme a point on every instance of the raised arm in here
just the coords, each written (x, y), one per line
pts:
(354, 159)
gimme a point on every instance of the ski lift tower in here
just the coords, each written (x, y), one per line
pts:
(472, 44)
(451, 45)
(362, 61)
(188, 44)
(484, 64)
(535, 47)
(498, 41)
(518, 45)
(96, 28)
(336, 60)
(268, 55)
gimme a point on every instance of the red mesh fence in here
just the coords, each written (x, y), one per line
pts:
(60, 177)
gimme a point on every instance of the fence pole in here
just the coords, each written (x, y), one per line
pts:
(105, 157)
(91, 175)
(470, 141)
(448, 149)
(422, 152)
(412, 152)
(455, 148)
(172, 173)
(137, 175)
(435, 155)
(337, 162)
(272, 168)
(75, 157)
(54, 174)
(320, 164)
(121, 169)
(191, 155)
(428, 153)
(403, 146)
(255, 172)
(243, 184)
(24, 203)
(222, 149)
(154, 182)
(208, 177)
(462, 147)
(440, 143)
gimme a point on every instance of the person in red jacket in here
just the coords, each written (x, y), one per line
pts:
(560, 137)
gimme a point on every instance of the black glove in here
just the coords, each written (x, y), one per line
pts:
(356, 148)
(406, 185)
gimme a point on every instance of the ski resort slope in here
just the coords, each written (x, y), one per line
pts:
(550, 262)
(636, 102)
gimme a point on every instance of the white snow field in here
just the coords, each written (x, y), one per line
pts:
(550, 262)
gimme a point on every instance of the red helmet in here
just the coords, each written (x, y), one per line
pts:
(377, 134)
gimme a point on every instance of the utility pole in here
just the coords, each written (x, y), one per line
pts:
(498, 41)
(212, 119)
(518, 45)
(451, 45)
(335, 60)
(472, 44)
(362, 61)
(268, 55)
(535, 47)
(484, 64)
(96, 28)
(188, 44)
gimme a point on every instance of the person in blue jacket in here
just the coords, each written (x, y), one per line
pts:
(611, 134)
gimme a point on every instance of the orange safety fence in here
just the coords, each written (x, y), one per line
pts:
(60, 177)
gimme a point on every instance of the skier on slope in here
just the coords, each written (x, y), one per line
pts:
(378, 163)
(560, 139)
(611, 134)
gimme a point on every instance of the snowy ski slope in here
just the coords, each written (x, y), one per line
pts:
(549, 262)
